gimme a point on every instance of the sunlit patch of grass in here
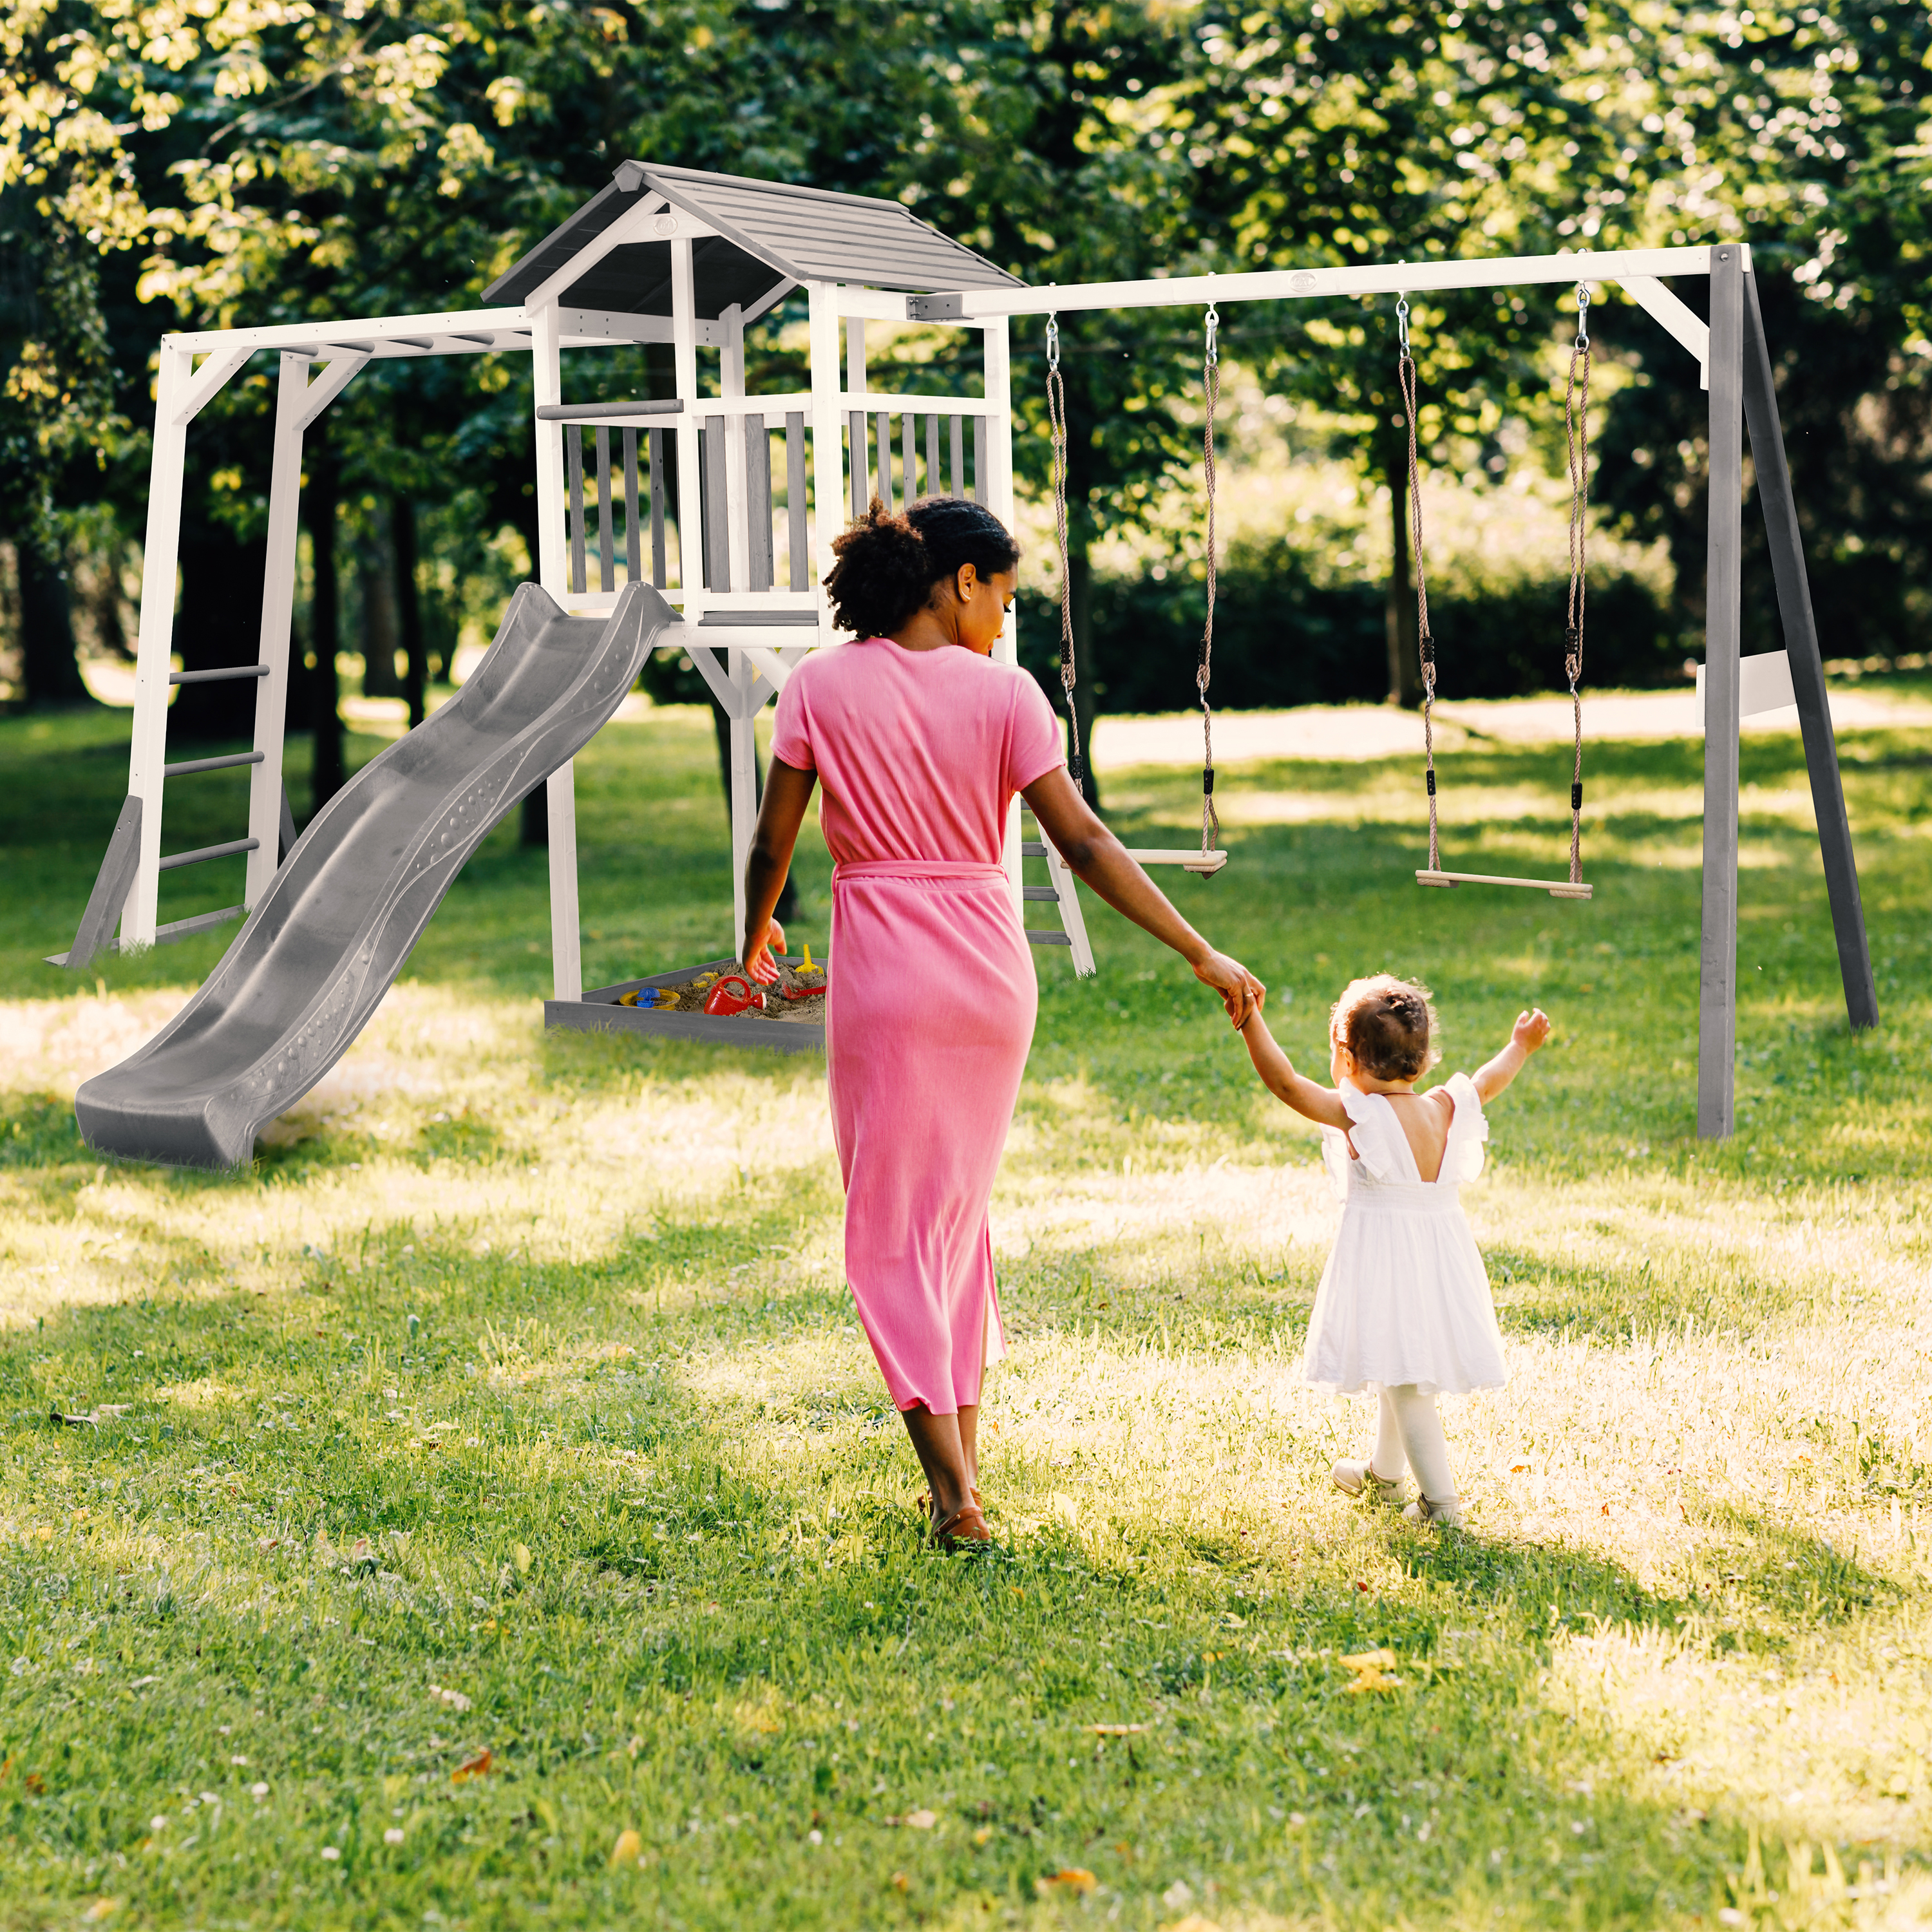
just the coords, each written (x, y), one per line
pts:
(514, 1402)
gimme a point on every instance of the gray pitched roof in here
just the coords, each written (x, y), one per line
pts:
(768, 233)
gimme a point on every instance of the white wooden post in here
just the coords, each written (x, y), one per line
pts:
(690, 496)
(552, 565)
(744, 788)
(855, 387)
(828, 473)
(737, 495)
(149, 749)
(278, 600)
(997, 492)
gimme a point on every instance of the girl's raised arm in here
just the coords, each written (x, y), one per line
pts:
(1531, 1030)
(1320, 1104)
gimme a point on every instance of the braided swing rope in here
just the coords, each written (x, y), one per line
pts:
(1576, 432)
(1056, 422)
(1210, 383)
(1405, 376)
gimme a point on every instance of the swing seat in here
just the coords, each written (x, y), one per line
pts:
(1557, 889)
(1205, 865)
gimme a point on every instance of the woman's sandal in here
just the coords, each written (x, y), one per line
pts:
(965, 1526)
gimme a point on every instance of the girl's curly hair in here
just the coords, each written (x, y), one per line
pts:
(888, 563)
(1388, 1024)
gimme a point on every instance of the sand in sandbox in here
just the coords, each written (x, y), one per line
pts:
(777, 1009)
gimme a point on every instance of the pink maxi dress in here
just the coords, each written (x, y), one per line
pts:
(931, 1007)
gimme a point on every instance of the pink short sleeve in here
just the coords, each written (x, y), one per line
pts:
(791, 733)
(1033, 745)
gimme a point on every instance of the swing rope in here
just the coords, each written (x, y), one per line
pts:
(1425, 643)
(1576, 431)
(1211, 380)
(1056, 421)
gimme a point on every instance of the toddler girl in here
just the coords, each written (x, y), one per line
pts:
(1404, 1302)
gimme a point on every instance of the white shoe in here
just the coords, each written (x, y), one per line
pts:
(1353, 1478)
(1448, 1510)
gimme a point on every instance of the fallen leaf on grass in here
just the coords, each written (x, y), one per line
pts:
(519, 1555)
(1370, 1668)
(101, 1908)
(1072, 1878)
(478, 1766)
(629, 1845)
(36, 1784)
(1117, 1730)
(900, 1881)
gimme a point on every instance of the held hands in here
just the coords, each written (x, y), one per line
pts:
(1241, 993)
(758, 953)
(1531, 1030)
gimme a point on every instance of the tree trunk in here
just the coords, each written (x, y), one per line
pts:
(50, 673)
(376, 566)
(1405, 673)
(324, 717)
(220, 627)
(409, 609)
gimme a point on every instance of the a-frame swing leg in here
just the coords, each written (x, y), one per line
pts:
(1717, 965)
(1807, 667)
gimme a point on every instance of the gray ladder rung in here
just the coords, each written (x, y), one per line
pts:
(176, 929)
(188, 765)
(233, 846)
(1038, 938)
(215, 677)
(1032, 848)
(1039, 893)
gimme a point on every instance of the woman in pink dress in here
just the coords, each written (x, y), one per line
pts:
(921, 740)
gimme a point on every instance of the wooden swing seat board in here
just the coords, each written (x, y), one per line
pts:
(1207, 864)
(1557, 889)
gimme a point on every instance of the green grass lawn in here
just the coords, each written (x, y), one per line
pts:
(494, 1519)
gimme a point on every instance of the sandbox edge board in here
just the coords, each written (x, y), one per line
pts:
(598, 1011)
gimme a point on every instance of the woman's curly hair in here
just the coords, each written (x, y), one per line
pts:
(1388, 1024)
(888, 562)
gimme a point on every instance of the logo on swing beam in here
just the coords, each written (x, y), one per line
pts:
(1303, 281)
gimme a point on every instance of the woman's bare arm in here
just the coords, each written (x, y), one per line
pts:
(1100, 860)
(787, 793)
(1322, 1104)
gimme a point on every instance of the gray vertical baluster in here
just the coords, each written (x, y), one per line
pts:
(958, 456)
(607, 567)
(634, 562)
(934, 487)
(660, 573)
(908, 445)
(758, 503)
(717, 520)
(1717, 978)
(979, 492)
(886, 460)
(573, 463)
(801, 563)
(857, 465)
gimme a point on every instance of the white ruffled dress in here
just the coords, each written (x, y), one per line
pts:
(1405, 1297)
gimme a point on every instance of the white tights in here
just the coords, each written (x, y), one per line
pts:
(1408, 1434)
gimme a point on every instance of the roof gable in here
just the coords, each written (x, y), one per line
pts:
(768, 233)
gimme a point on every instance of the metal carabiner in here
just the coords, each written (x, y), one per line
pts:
(1053, 340)
(1583, 315)
(1213, 323)
(1401, 323)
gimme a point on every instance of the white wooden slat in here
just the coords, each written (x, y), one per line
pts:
(690, 498)
(827, 492)
(737, 505)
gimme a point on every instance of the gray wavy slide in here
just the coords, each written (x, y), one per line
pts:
(314, 959)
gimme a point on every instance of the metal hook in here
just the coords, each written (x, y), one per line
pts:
(1213, 323)
(1401, 323)
(1583, 315)
(1053, 340)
